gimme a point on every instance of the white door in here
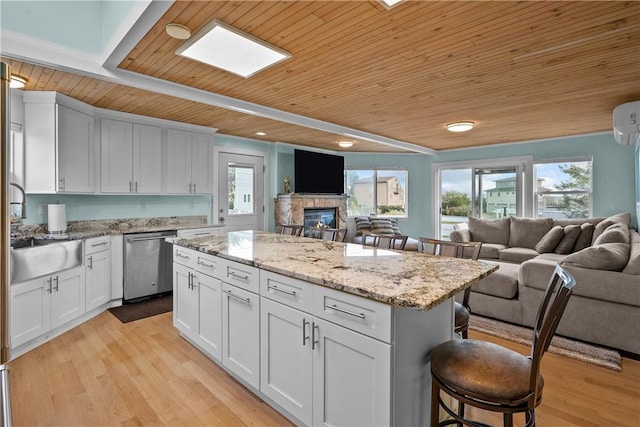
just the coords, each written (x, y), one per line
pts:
(185, 304)
(351, 378)
(286, 360)
(210, 314)
(241, 333)
(241, 191)
(30, 310)
(201, 162)
(116, 142)
(75, 151)
(67, 296)
(147, 159)
(98, 284)
(178, 170)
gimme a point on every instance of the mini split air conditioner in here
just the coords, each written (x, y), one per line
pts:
(626, 122)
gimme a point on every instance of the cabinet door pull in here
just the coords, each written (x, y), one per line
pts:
(194, 187)
(130, 187)
(304, 331)
(90, 266)
(49, 280)
(136, 187)
(238, 276)
(350, 313)
(55, 280)
(244, 300)
(204, 264)
(190, 185)
(179, 255)
(61, 184)
(203, 233)
(189, 280)
(314, 341)
(284, 291)
(93, 245)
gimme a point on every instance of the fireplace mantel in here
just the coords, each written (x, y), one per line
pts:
(289, 208)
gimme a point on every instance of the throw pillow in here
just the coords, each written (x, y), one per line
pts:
(381, 226)
(571, 234)
(395, 226)
(608, 256)
(616, 233)
(624, 218)
(489, 231)
(362, 224)
(633, 266)
(550, 240)
(527, 232)
(585, 237)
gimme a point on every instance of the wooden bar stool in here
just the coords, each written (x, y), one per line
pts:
(290, 229)
(494, 378)
(458, 250)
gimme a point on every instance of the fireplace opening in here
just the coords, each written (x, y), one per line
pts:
(315, 219)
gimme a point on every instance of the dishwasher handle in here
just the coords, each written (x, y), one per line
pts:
(140, 239)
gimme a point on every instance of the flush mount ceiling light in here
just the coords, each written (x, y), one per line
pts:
(390, 3)
(261, 133)
(178, 31)
(232, 50)
(345, 143)
(17, 82)
(460, 126)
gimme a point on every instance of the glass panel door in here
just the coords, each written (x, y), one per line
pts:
(495, 193)
(455, 199)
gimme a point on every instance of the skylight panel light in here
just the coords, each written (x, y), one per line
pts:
(232, 50)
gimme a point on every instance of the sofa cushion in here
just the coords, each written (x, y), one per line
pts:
(633, 266)
(571, 234)
(490, 231)
(381, 226)
(585, 237)
(491, 250)
(616, 233)
(608, 256)
(551, 257)
(517, 254)
(460, 235)
(502, 283)
(624, 218)
(550, 240)
(527, 232)
(564, 222)
(362, 224)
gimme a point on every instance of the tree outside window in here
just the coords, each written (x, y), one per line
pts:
(564, 189)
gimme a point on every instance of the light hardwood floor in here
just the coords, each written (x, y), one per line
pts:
(105, 373)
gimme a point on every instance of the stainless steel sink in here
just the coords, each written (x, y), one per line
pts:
(42, 257)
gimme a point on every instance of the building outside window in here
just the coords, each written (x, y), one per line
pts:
(387, 197)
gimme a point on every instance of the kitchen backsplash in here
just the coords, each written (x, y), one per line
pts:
(107, 207)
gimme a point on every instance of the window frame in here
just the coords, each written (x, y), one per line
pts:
(374, 171)
(563, 192)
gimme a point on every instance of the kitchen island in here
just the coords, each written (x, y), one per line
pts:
(328, 333)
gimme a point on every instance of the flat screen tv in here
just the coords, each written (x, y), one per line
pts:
(318, 172)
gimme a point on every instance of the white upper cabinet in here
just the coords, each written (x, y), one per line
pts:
(59, 144)
(131, 157)
(189, 162)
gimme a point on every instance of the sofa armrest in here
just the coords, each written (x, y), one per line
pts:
(463, 235)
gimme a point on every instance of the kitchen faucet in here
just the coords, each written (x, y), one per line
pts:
(23, 205)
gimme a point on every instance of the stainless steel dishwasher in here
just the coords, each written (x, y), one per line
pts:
(148, 265)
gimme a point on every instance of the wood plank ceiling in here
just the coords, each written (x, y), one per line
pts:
(519, 70)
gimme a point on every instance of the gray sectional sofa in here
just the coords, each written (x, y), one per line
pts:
(603, 254)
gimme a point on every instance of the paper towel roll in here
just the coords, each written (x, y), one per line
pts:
(57, 222)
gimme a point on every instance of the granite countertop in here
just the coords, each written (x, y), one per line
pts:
(399, 278)
(77, 230)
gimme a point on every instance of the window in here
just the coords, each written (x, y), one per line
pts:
(387, 197)
(563, 188)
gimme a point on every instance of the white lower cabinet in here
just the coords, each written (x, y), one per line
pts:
(97, 261)
(185, 301)
(241, 333)
(42, 304)
(322, 373)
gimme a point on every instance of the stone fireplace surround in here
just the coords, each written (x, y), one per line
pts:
(289, 208)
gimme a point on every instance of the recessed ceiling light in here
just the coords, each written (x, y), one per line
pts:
(178, 31)
(460, 126)
(17, 82)
(345, 143)
(261, 133)
(390, 3)
(230, 49)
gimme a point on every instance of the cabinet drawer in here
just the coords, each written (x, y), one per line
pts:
(97, 244)
(287, 290)
(184, 256)
(209, 265)
(198, 232)
(241, 275)
(368, 317)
